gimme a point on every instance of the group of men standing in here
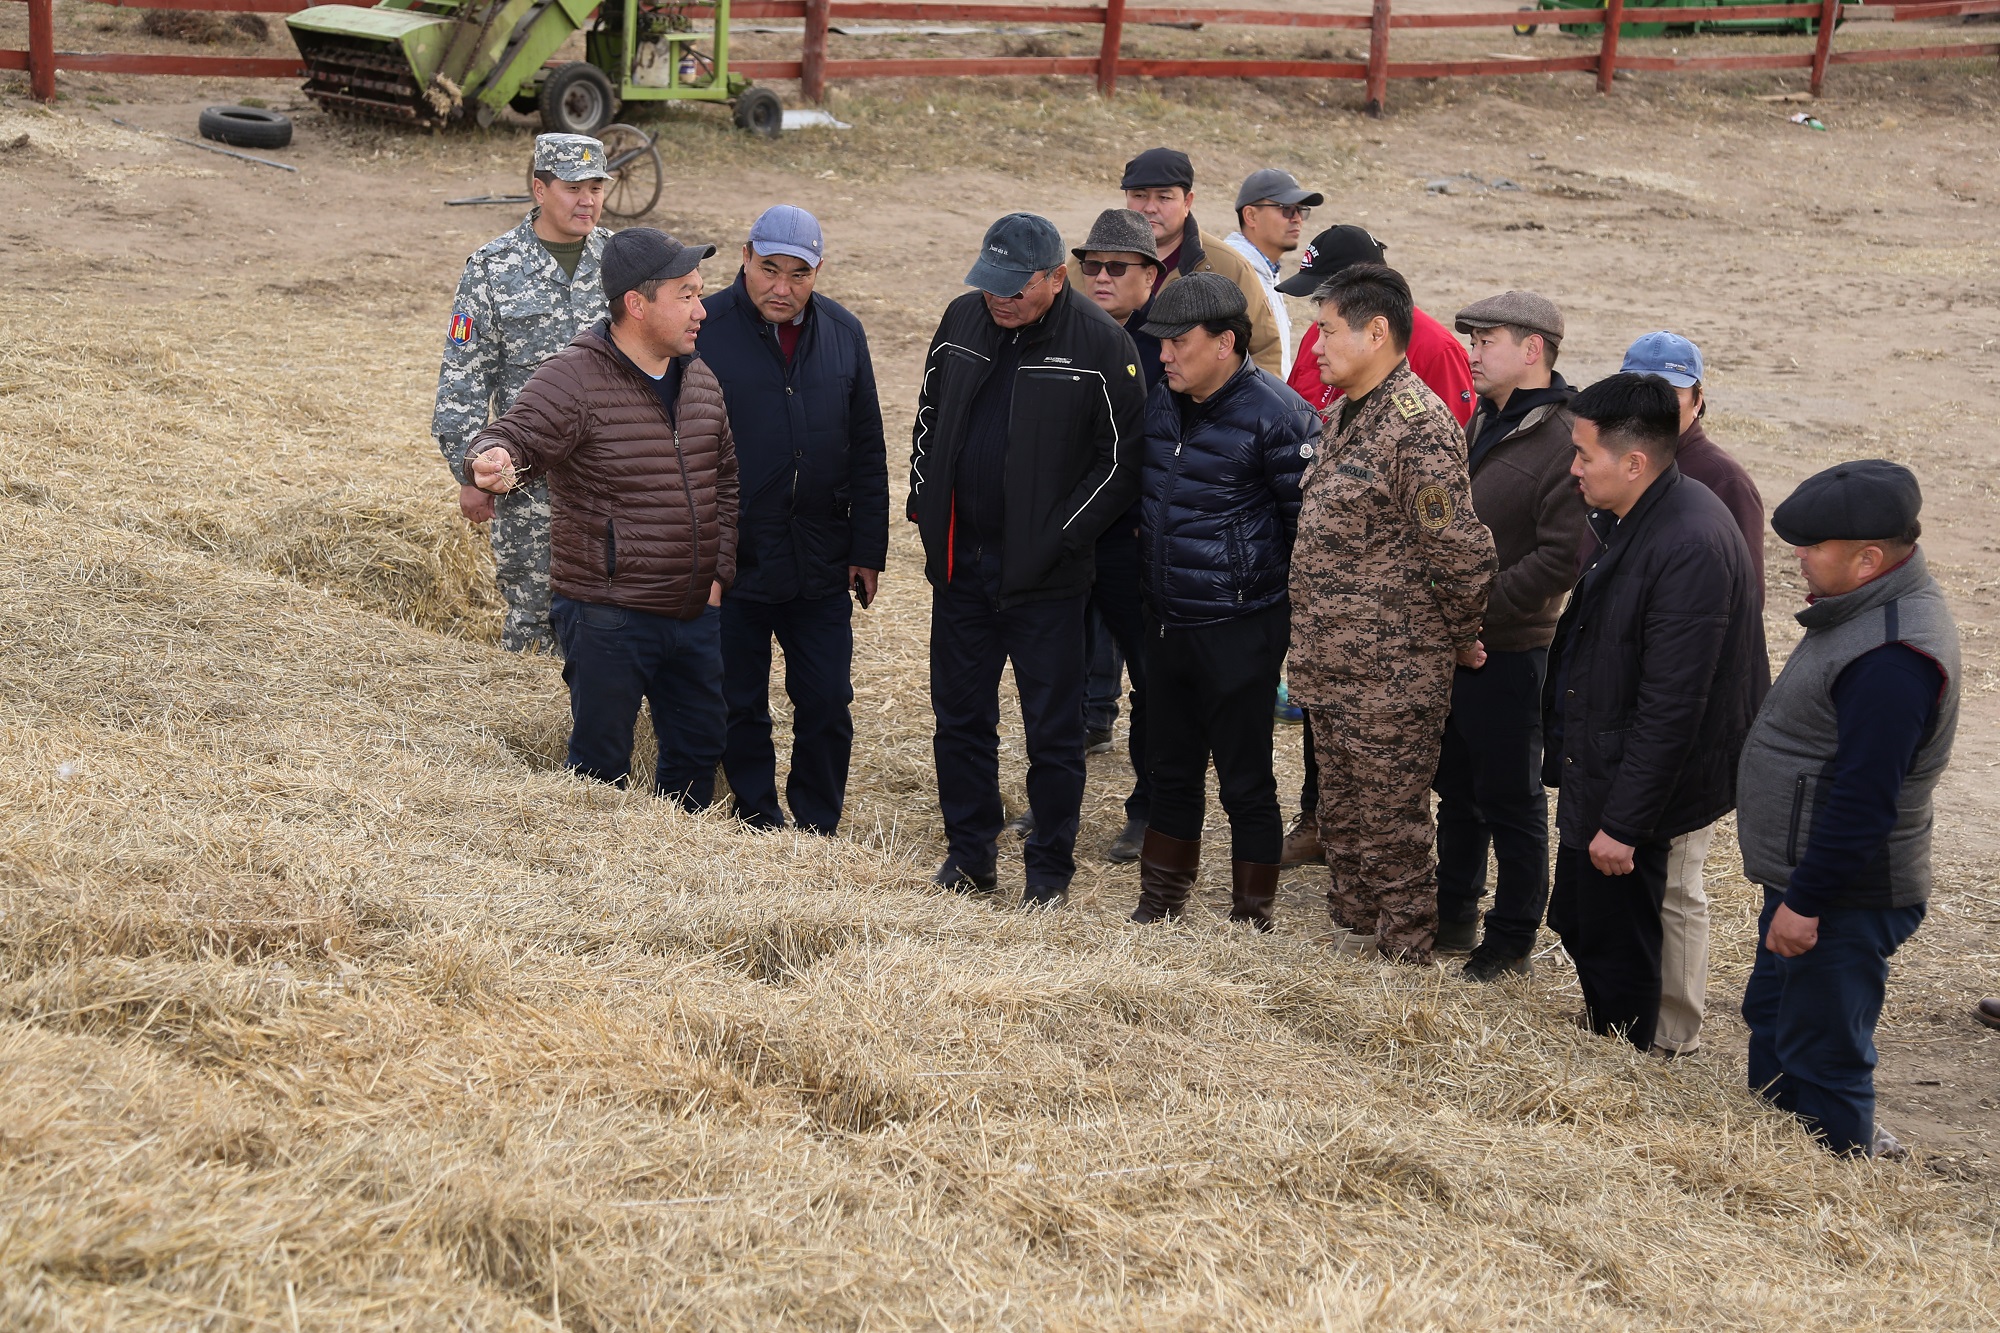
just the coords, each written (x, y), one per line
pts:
(1485, 583)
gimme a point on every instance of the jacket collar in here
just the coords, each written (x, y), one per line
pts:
(587, 271)
(1616, 534)
(1230, 387)
(740, 291)
(1191, 251)
(1826, 612)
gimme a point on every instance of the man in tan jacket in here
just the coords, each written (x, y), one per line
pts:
(630, 430)
(1159, 186)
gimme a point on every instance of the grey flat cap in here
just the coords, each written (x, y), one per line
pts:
(1120, 231)
(1523, 310)
(1280, 187)
(1195, 299)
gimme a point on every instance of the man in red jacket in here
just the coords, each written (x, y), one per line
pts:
(1438, 360)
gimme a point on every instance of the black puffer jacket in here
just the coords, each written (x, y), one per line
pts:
(1657, 669)
(1219, 497)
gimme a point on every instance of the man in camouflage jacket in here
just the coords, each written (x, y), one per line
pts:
(523, 297)
(1388, 584)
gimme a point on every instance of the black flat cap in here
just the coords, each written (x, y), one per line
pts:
(641, 254)
(1195, 299)
(1156, 167)
(1869, 500)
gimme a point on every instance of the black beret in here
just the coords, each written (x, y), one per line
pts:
(1868, 500)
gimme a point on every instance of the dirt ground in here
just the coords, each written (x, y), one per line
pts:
(1842, 285)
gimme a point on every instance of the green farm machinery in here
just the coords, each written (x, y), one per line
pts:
(438, 62)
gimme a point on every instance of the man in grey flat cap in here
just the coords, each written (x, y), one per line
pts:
(1271, 212)
(522, 298)
(1834, 795)
(1488, 780)
(1025, 449)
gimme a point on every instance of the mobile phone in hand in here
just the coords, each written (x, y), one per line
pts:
(861, 592)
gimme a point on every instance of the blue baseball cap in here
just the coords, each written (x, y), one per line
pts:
(1016, 248)
(784, 230)
(1668, 355)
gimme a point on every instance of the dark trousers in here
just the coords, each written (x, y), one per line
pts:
(1812, 1019)
(1489, 786)
(1610, 926)
(613, 658)
(1106, 673)
(1115, 597)
(1210, 690)
(816, 635)
(972, 639)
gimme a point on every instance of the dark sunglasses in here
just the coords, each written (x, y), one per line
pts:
(1117, 268)
(1290, 212)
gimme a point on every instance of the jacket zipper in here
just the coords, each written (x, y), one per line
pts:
(610, 550)
(694, 515)
(1798, 809)
(1167, 504)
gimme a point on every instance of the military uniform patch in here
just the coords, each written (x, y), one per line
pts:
(1409, 405)
(1434, 508)
(461, 327)
(1356, 471)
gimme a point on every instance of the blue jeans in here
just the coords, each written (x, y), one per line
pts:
(614, 657)
(1812, 1019)
(817, 637)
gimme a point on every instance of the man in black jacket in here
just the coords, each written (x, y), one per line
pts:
(800, 387)
(1654, 676)
(1025, 449)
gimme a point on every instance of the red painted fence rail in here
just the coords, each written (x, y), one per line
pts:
(815, 67)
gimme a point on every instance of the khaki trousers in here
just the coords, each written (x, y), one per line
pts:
(1684, 944)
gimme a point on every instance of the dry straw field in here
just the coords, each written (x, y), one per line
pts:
(328, 1002)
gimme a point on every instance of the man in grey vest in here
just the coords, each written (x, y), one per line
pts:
(1834, 794)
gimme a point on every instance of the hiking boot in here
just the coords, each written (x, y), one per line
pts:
(1253, 887)
(1097, 740)
(1166, 876)
(1457, 936)
(1488, 965)
(961, 879)
(1044, 897)
(1022, 825)
(1124, 848)
(1302, 843)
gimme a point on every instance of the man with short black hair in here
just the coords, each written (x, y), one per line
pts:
(1388, 583)
(1159, 186)
(1836, 785)
(630, 430)
(1488, 782)
(1271, 212)
(1024, 451)
(1684, 909)
(1654, 675)
(522, 298)
(814, 527)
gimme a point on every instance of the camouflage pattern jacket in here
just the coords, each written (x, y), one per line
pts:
(514, 310)
(1391, 567)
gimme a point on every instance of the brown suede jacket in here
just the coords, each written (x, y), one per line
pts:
(1523, 491)
(642, 502)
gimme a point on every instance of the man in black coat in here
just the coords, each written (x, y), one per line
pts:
(814, 523)
(1656, 672)
(1025, 450)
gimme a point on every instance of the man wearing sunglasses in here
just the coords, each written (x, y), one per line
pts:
(1271, 213)
(1025, 450)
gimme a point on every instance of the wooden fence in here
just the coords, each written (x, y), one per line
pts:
(814, 67)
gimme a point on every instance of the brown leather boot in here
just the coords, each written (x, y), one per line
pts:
(1253, 887)
(1166, 876)
(1302, 846)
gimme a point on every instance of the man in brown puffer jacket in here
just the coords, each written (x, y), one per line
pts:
(630, 430)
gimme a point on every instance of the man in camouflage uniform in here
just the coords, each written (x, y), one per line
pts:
(524, 296)
(1388, 584)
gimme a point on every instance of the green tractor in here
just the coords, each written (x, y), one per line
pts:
(437, 62)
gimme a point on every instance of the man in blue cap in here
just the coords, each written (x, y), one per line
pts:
(814, 516)
(1025, 450)
(1834, 795)
(1684, 908)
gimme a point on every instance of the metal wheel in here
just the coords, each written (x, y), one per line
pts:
(577, 99)
(636, 171)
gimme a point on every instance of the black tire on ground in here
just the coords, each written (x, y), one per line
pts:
(759, 111)
(577, 99)
(1527, 29)
(245, 127)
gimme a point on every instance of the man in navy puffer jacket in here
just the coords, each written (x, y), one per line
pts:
(1218, 507)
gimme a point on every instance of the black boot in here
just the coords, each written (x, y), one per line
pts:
(1253, 887)
(1124, 849)
(1166, 875)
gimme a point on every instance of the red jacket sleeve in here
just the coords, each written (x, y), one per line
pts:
(1439, 360)
(1304, 378)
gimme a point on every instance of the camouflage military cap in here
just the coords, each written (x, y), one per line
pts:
(572, 157)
